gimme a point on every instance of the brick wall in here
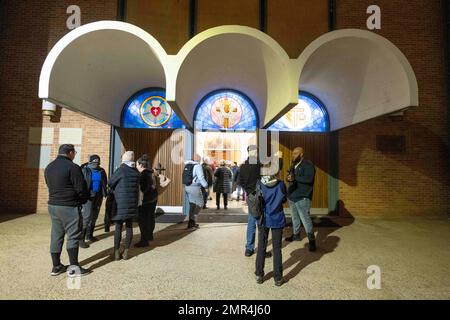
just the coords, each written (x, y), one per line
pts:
(416, 182)
(28, 30)
(372, 183)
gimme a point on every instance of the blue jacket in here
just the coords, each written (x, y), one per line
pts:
(274, 193)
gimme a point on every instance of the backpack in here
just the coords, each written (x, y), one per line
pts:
(256, 203)
(96, 181)
(188, 174)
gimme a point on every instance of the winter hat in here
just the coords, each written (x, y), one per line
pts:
(128, 156)
(94, 158)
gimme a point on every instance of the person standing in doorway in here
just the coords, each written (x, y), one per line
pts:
(300, 191)
(67, 193)
(249, 174)
(125, 185)
(147, 209)
(223, 182)
(274, 195)
(96, 182)
(193, 180)
(235, 171)
(209, 175)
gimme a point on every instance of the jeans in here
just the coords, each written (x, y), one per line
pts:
(239, 189)
(91, 210)
(251, 232)
(263, 235)
(301, 214)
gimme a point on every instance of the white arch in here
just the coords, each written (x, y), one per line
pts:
(235, 57)
(95, 68)
(358, 75)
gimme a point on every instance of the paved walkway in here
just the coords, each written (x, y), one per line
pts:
(413, 254)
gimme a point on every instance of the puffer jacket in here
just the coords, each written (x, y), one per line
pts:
(125, 185)
(224, 179)
(274, 193)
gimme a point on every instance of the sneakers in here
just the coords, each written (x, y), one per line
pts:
(56, 271)
(294, 237)
(249, 253)
(259, 279)
(77, 271)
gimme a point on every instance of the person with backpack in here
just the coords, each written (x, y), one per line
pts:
(96, 181)
(273, 193)
(146, 214)
(124, 183)
(223, 181)
(193, 180)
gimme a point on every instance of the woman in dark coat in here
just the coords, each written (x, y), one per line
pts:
(222, 185)
(125, 185)
(150, 198)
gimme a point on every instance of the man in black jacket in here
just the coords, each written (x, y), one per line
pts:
(300, 190)
(249, 174)
(96, 183)
(67, 193)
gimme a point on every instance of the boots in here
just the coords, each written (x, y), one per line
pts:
(117, 255)
(294, 237)
(312, 242)
(83, 244)
(90, 234)
(192, 224)
(125, 254)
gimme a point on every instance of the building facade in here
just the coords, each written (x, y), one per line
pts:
(391, 165)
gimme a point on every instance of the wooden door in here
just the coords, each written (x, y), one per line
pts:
(158, 146)
(316, 150)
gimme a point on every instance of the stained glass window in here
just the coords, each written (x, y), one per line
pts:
(149, 109)
(308, 115)
(226, 110)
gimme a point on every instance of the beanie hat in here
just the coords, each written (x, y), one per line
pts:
(94, 158)
(128, 156)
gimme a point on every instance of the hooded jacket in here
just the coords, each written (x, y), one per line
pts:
(274, 194)
(87, 169)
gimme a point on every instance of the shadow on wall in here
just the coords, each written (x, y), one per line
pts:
(420, 142)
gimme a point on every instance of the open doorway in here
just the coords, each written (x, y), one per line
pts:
(231, 148)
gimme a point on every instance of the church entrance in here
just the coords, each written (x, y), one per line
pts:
(229, 148)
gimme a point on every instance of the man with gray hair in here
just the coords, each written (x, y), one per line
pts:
(67, 193)
(300, 191)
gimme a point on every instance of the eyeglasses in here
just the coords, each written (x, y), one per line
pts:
(74, 151)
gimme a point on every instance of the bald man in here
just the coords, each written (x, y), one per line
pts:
(300, 191)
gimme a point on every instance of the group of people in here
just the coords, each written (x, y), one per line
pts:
(257, 179)
(76, 195)
(223, 179)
